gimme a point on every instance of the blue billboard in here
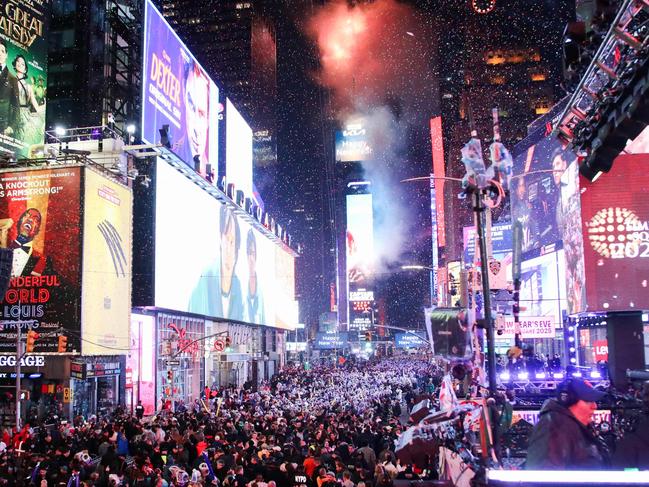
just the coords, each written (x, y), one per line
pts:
(178, 93)
(352, 144)
(409, 340)
(330, 341)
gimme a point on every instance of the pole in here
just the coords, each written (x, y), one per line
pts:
(18, 357)
(480, 208)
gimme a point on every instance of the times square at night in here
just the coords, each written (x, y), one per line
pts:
(324, 243)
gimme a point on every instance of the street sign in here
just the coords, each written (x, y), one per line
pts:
(172, 363)
(219, 345)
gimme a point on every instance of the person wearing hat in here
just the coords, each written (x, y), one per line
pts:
(563, 438)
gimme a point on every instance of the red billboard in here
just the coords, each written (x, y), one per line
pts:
(615, 215)
(40, 219)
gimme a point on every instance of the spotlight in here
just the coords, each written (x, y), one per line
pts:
(59, 131)
(571, 329)
(523, 375)
(558, 375)
(540, 375)
(576, 374)
(130, 128)
(573, 360)
(595, 375)
(571, 339)
(504, 376)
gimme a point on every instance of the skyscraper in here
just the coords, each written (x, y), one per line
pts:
(503, 54)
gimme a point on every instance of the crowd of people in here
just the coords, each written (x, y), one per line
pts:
(322, 427)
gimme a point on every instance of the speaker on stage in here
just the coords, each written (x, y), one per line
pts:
(6, 262)
(625, 345)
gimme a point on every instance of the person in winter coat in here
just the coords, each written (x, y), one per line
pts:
(563, 439)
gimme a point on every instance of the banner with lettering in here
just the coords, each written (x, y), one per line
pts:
(23, 74)
(40, 219)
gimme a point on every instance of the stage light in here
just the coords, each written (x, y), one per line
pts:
(504, 376)
(523, 375)
(573, 360)
(595, 375)
(571, 339)
(59, 131)
(572, 349)
(576, 374)
(558, 375)
(540, 375)
(571, 329)
(130, 128)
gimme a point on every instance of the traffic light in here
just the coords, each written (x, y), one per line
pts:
(31, 338)
(63, 344)
(170, 375)
(228, 342)
(368, 336)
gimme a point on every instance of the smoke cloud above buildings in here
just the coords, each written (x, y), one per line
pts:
(375, 60)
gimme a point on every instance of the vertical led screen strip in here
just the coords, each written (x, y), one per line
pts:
(23, 79)
(106, 279)
(360, 252)
(616, 236)
(176, 91)
(40, 219)
(238, 147)
(210, 261)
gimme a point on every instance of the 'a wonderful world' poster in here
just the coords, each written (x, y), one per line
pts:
(40, 220)
(23, 74)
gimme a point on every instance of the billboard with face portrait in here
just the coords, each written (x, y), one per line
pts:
(211, 261)
(23, 74)
(178, 93)
(40, 218)
(539, 164)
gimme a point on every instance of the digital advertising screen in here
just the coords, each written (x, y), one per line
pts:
(23, 87)
(330, 341)
(176, 91)
(140, 362)
(360, 252)
(106, 275)
(573, 241)
(409, 340)
(238, 150)
(543, 284)
(450, 332)
(40, 218)
(536, 190)
(230, 273)
(615, 214)
(352, 143)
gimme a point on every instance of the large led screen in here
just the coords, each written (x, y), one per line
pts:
(352, 143)
(176, 91)
(212, 262)
(615, 213)
(238, 147)
(543, 284)
(360, 251)
(40, 218)
(106, 278)
(536, 190)
(330, 341)
(23, 80)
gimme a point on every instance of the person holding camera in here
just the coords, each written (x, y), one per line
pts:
(563, 438)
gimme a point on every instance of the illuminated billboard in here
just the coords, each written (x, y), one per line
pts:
(23, 80)
(352, 143)
(140, 363)
(238, 147)
(233, 271)
(615, 213)
(330, 341)
(543, 284)
(536, 193)
(360, 251)
(177, 92)
(40, 218)
(106, 276)
(409, 340)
